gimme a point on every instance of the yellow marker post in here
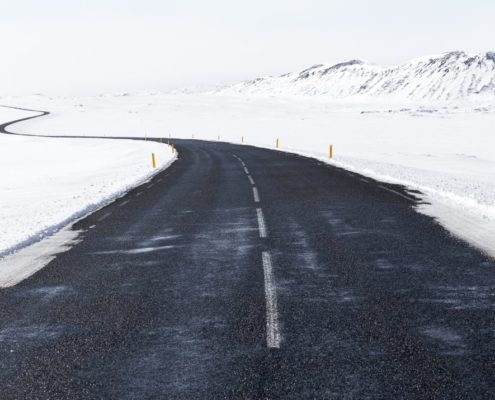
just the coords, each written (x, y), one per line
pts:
(242, 139)
(330, 152)
(276, 143)
(161, 140)
(153, 160)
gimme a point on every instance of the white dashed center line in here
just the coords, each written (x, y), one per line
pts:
(261, 223)
(139, 193)
(150, 185)
(272, 325)
(104, 216)
(256, 195)
(123, 203)
(273, 337)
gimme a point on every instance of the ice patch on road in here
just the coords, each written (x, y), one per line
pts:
(164, 238)
(47, 293)
(33, 333)
(141, 250)
(448, 339)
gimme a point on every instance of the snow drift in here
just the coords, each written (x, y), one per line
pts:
(447, 77)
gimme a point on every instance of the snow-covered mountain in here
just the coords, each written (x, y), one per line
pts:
(446, 77)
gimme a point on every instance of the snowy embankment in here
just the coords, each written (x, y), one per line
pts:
(446, 151)
(46, 183)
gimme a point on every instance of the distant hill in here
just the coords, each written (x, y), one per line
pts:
(446, 77)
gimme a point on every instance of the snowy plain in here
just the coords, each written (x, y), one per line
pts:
(443, 150)
(47, 183)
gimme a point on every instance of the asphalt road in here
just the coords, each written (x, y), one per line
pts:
(318, 284)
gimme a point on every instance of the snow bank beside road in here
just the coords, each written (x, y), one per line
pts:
(46, 182)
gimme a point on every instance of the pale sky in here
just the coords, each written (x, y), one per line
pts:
(64, 47)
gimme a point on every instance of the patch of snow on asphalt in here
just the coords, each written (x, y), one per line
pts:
(24, 263)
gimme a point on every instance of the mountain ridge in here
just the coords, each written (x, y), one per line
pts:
(449, 76)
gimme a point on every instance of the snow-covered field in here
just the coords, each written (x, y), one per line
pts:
(446, 151)
(47, 183)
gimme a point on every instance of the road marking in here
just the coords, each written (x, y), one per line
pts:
(272, 325)
(261, 223)
(139, 193)
(104, 216)
(251, 179)
(159, 180)
(396, 193)
(123, 203)
(150, 185)
(92, 226)
(364, 180)
(246, 170)
(256, 195)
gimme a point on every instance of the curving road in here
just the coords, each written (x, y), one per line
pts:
(245, 273)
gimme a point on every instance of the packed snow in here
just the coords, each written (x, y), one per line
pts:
(443, 150)
(46, 183)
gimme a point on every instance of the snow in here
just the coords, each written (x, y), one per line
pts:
(47, 183)
(443, 150)
(16, 267)
(446, 77)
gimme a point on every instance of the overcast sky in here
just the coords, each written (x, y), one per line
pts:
(97, 46)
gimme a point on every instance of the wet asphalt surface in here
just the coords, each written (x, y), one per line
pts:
(164, 296)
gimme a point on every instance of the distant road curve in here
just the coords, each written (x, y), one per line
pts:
(5, 125)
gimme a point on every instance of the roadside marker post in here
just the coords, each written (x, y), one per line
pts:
(242, 139)
(330, 152)
(153, 160)
(276, 143)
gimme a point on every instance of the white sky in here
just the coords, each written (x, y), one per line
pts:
(97, 46)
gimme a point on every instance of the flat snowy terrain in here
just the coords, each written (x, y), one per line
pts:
(445, 151)
(46, 183)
